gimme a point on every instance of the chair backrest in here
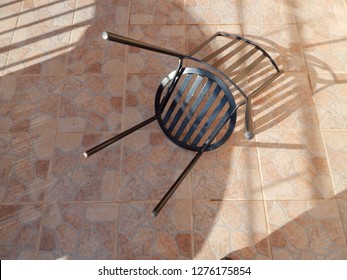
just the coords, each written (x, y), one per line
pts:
(245, 63)
(195, 108)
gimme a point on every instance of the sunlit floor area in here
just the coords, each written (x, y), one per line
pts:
(63, 89)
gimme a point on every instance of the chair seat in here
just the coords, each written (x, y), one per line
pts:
(196, 109)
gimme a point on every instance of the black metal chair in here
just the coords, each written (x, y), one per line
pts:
(195, 105)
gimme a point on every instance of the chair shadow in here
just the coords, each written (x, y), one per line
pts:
(277, 104)
(295, 240)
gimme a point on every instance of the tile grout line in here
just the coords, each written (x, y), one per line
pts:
(320, 128)
(119, 180)
(263, 200)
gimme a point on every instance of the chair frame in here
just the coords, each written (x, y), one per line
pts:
(248, 127)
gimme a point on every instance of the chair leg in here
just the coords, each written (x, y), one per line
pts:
(117, 137)
(179, 180)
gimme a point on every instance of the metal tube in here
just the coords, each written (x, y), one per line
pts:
(179, 180)
(117, 137)
(249, 125)
(135, 43)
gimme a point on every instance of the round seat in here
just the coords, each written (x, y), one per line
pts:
(194, 109)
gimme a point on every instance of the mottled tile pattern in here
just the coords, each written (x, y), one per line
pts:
(294, 165)
(24, 166)
(106, 12)
(231, 172)
(322, 12)
(150, 165)
(266, 12)
(19, 227)
(6, 34)
(29, 103)
(166, 36)
(324, 47)
(9, 12)
(212, 12)
(140, 236)
(234, 229)
(305, 230)
(38, 50)
(330, 99)
(47, 13)
(75, 178)
(336, 146)
(91, 103)
(78, 231)
(90, 54)
(63, 90)
(287, 104)
(157, 12)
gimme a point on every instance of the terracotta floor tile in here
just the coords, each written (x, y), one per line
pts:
(90, 54)
(150, 165)
(47, 13)
(322, 12)
(24, 165)
(106, 12)
(9, 12)
(139, 99)
(167, 36)
(335, 142)
(286, 104)
(294, 165)
(197, 34)
(29, 103)
(78, 231)
(330, 99)
(282, 42)
(212, 12)
(305, 230)
(75, 178)
(39, 50)
(6, 34)
(140, 236)
(157, 12)
(91, 103)
(324, 47)
(236, 229)
(343, 212)
(266, 12)
(230, 172)
(19, 227)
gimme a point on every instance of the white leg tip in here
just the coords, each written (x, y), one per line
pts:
(104, 35)
(85, 155)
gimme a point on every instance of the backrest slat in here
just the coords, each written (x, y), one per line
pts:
(220, 50)
(230, 54)
(247, 69)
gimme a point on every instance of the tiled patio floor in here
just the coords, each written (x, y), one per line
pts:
(63, 89)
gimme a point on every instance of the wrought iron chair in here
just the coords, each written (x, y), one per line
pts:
(195, 104)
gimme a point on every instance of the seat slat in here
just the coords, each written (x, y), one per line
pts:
(194, 107)
(210, 120)
(202, 113)
(177, 98)
(189, 95)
